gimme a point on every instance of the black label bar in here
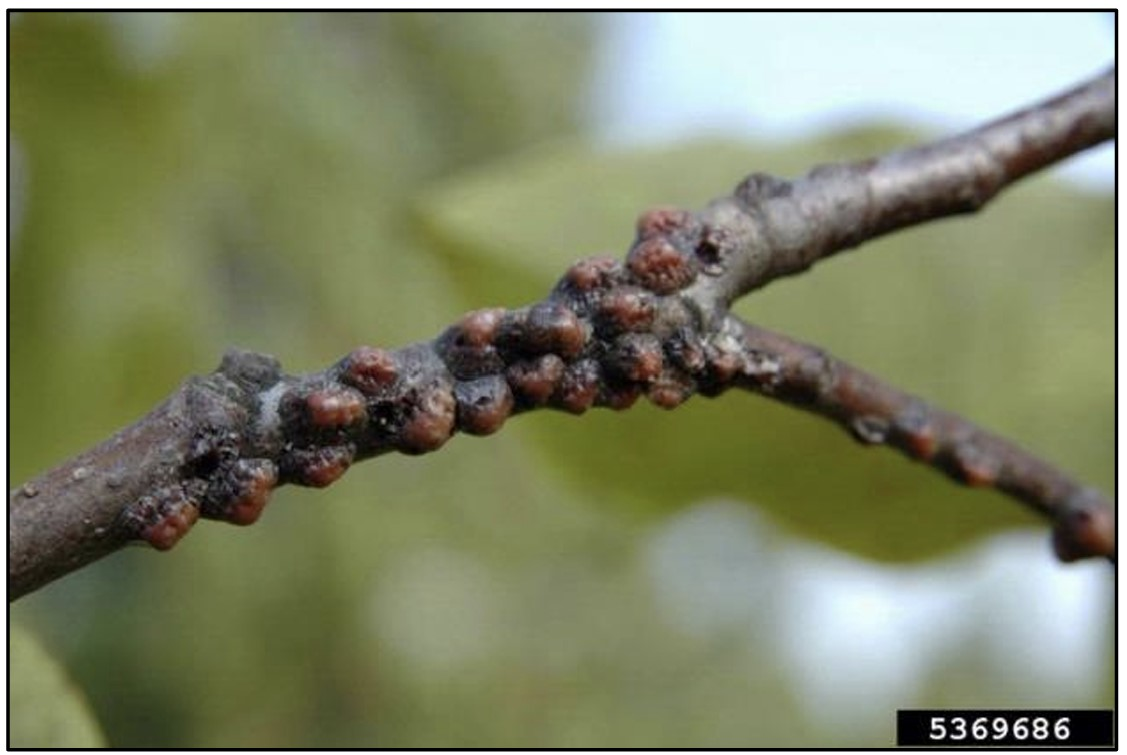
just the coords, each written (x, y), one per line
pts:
(1005, 728)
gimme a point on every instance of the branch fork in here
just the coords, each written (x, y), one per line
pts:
(655, 325)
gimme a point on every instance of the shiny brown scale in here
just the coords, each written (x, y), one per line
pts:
(592, 273)
(533, 381)
(975, 468)
(627, 309)
(636, 357)
(478, 328)
(431, 423)
(1082, 533)
(163, 518)
(370, 369)
(318, 467)
(662, 221)
(483, 404)
(669, 393)
(578, 387)
(550, 327)
(256, 479)
(620, 397)
(335, 407)
(660, 266)
(685, 351)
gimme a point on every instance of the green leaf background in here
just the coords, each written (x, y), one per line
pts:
(302, 184)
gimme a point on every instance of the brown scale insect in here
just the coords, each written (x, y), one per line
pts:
(723, 366)
(483, 404)
(318, 467)
(592, 274)
(918, 435)
(252, 480)
(431, 423)
(534, 381)
(163, 518)
(660, 266)
(369, 369)
(662, 221)
(619, 397)
(578, 387)
(636, 357)
(478, 328)
(685, 351)
(974, 468)
(335, 406)
(1081, 533)
(626, 309)
(669, 392)
(547, 327)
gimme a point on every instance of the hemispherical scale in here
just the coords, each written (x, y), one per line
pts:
(162, 518)
(467, 347)
(547, 327)
(626, 309)
(534, 380)
(578, 387)
(483, 404)
(335, 406)
(591, 274)
(370, 369)
(660, 266)
(669, 392)
(430, 423)
(662, 221)
(636, 357)
(251, 482)
(1084, 532)
(317, 467)
(479, 327)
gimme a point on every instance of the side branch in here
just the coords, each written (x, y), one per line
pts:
(610, 332)
(875, 412)
(772, 228)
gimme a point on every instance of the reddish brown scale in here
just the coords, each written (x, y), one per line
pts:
(551, 327)
(319, 467)
(335, 407)
(370, 369)
(619, 397)
(534, 381)
(662, 221)
(922, 443)
(257, 480)
(478, 328)
(578, 387)
(669, 392)
(627, 309)
(483, 404)
(593, 273)
(686, 352)
(163, 518)
(431, 423)
(723, 366)
(1083, 533)
(660, 266)
(636, 357)
(973, 467)
(167, 531)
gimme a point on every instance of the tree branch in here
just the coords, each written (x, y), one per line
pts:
(875, 412)
(610, 332)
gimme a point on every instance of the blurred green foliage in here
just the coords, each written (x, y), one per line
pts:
(300, 184)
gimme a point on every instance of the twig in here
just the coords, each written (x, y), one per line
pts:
(610, 332)
(875, 412)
